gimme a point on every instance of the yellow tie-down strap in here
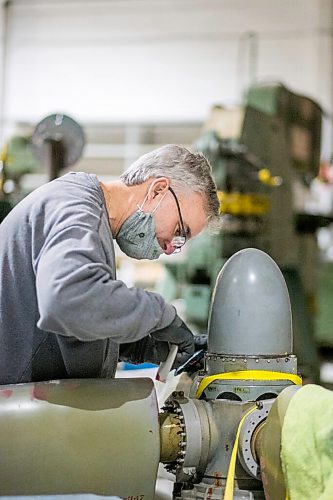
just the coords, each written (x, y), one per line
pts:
(229, 487)
(247, 375)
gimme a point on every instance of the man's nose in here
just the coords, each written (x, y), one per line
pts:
(169, 249)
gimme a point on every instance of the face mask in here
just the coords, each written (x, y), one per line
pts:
(137, 236)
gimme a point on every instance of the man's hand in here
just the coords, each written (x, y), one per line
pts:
(176, 333)
(155, 347)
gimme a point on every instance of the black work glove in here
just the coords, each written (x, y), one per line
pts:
(155, 347)
(196, 362)
(177, 333)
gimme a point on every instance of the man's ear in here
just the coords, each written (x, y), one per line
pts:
(158, 187)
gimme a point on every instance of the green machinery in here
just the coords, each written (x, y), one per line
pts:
(259, 174)
(16, 160)
(324, 316)
(56, 143)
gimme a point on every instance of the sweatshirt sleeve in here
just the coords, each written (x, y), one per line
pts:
(78, 297)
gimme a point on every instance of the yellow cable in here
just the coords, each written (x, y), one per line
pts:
(229, 487)
(243, 375)
(248, 375)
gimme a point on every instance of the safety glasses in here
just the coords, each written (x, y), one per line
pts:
(179, 238)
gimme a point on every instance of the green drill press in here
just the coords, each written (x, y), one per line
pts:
(257, 174)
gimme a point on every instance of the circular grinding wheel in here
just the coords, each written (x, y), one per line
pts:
(58, 128)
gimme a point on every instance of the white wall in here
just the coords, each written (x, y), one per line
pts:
(157, 60)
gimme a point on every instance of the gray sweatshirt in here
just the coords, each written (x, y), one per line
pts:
(63, 313)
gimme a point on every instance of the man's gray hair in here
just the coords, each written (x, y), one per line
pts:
(187, 171)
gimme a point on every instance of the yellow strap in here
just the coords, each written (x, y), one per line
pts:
(229, 487)
(248, 375)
